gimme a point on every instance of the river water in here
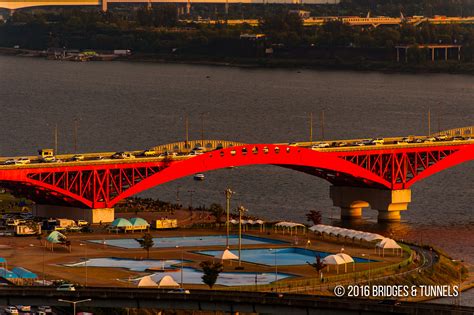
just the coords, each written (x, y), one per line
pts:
(123, 106)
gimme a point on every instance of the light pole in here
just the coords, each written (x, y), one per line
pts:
(228, 195)
(182, 261)
(311, 128)
(241, 210)
(74, 303)
(85, 258)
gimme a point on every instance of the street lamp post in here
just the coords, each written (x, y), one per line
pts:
(276, 266)
(241, 210)
(228, 194)
(74, 303)
(85, 258)
(182, 262)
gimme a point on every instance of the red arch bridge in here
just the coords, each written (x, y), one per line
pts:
(361, 172)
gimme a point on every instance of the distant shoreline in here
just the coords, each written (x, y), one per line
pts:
(280, 63)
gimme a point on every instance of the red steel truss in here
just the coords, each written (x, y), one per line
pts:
(103, 184)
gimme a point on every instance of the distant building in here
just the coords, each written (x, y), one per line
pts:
(301, 13)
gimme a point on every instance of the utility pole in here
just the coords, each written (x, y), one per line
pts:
(311, 128)
(241, 211)
(56, 139)
(322, 124)
(228, 195)
(202, 129)
(429, 121)
(75, 135)
(186, 128)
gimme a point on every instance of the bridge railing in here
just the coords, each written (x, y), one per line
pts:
(187, 146)
(457, 132)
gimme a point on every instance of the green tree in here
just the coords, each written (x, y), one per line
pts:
(318, 265)
(218, 211)
(314, 216)
(146, 243)
(211, 271)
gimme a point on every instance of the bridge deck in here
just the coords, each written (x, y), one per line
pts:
(182, 149)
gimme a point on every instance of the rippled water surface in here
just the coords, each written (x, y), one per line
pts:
(124, 106)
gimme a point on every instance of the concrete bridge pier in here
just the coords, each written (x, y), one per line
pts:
(95, 216)
(387, 202)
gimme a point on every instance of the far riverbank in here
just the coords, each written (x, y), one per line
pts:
(450, 67)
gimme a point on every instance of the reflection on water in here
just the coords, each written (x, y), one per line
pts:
(123, 106)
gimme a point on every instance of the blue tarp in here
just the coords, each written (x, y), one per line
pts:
(56, 237)
(24, 273)
(121, 222)
(8, 274)
(139, 222)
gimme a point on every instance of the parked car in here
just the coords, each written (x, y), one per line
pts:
(66, 287)
(82, 222)
(24, 308)
(123, 155)
(442, 138)
(149, 152)
(364, 142)
(11, 310)
(378, 141)
(9, 162)
(78, 157)
(45, 308)
(320, 145)
(50, 159)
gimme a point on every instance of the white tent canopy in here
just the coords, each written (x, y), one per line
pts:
(334, 260)
(289, 226)
(388, 243)
(227, 255)
(147, 281)
(348, 233)
(167, 281)
(348, 260)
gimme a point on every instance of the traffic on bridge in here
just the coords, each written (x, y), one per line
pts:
(377, 171)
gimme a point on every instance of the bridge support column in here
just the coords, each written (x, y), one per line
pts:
(351, 200)
(104, 215)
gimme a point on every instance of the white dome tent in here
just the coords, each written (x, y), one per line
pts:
(347, 259)
(147, 282)
(167, 282)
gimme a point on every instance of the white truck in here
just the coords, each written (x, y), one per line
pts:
(122, 52)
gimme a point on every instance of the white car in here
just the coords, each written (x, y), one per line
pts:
(24, 308)
(11, 310)
(66, 287)
(45, 308)
(320, 145)
(123, 155)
